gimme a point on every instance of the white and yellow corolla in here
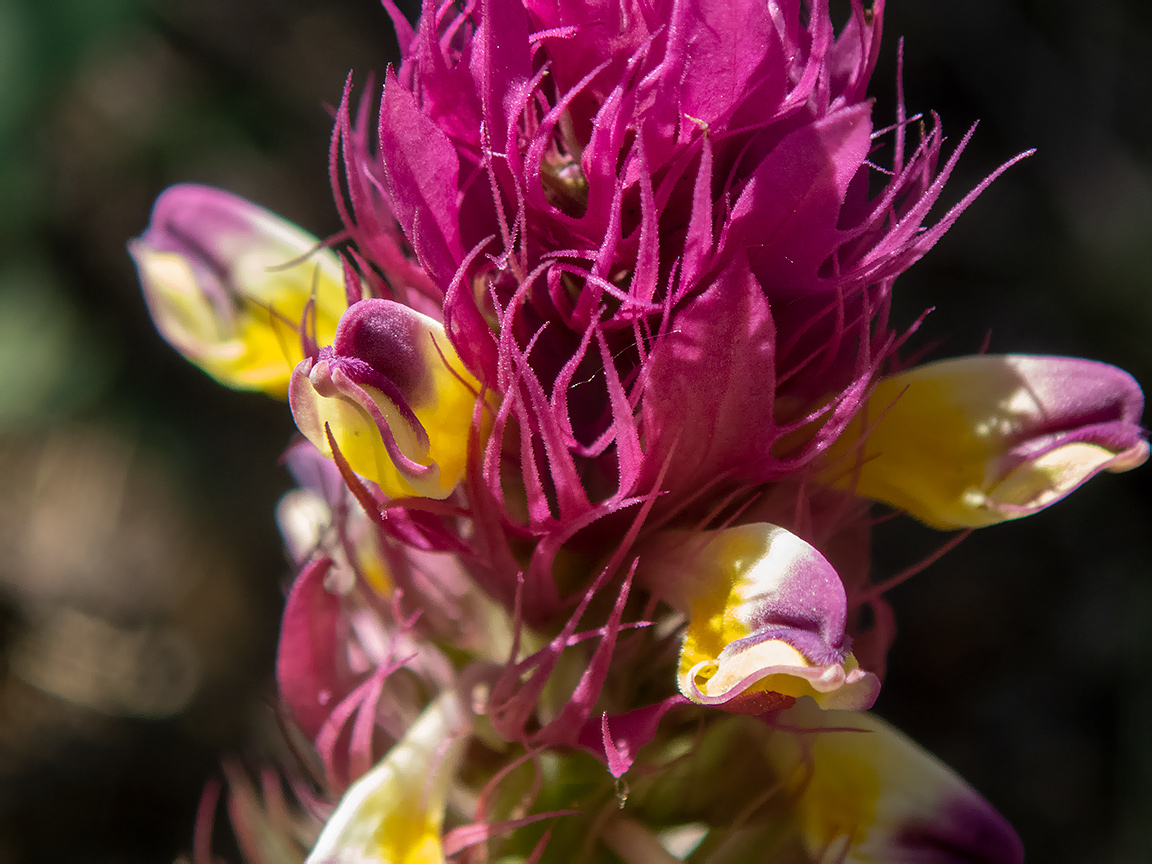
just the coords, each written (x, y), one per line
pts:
(394, 814)
(766, 620)
(862, 793)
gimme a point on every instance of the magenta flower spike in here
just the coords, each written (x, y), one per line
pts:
(582, 538)
(602, 249)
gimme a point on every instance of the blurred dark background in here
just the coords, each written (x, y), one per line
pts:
(140, 570)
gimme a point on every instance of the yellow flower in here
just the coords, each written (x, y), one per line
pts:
(227, 284)
(766, 617)
(397, 399)
(395, 812)
(973, 441)
(865, 794)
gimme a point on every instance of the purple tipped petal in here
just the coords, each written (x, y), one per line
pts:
(235, 288)
(865, 794)
(766, 613)
(393, 396)
(977, 440)
(387, 340)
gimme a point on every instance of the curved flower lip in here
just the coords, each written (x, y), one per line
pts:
(778, 668)
(766, 619)
(973, 441)
(227, 284)
(395, 397)
(864, 794)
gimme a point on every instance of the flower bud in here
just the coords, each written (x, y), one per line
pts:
(395, 396)
(227, 283)
(973, 441)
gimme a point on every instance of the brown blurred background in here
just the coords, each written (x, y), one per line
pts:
(140, 570)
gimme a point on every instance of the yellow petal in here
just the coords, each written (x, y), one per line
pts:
(766, 617)
(394, 814)
(411, 440)
(977, 440)
(227, 283)
(865, 794)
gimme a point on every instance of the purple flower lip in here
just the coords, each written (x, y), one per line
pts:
(766, 612)
(334, 377)
(381, 349)
(391, 398)
(812, 645)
